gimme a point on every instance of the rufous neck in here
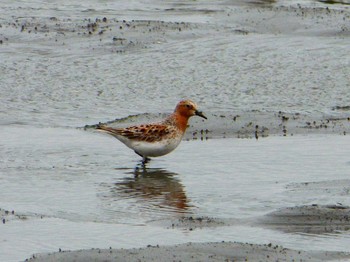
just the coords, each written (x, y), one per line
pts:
(181, 121)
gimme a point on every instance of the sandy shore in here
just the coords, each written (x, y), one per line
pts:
(308, 219)
(224, 251)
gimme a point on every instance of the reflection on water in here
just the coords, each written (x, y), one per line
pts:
(153, 188)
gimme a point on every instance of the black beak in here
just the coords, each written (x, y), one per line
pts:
(198, 113)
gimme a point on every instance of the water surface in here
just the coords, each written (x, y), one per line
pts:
(273, 70)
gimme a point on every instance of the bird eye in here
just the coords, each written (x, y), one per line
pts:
(188, 106)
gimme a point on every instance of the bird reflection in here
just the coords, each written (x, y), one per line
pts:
(154, 187)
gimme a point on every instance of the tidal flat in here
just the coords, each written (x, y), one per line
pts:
(264, 178)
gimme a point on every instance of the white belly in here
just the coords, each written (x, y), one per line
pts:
(155, 149)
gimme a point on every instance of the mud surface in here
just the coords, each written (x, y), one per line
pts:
(274, 72)
(314, 219)
(223, 251)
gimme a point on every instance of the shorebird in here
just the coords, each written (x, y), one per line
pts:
(156, 139)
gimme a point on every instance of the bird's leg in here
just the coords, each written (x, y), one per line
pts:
(139, 154)
(145, 159)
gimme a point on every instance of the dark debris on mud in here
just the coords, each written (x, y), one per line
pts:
(7, 216)
(108, 35)
(191, 223)
(114, 35)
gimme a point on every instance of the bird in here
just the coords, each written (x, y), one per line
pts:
(156, 139)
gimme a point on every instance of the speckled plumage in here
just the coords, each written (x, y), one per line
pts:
(156, 139)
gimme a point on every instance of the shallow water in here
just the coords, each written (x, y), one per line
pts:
(269, 69)
(85, 194)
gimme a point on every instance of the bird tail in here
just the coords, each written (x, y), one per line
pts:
(109, 130)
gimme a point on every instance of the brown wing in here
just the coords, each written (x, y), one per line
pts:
(148, 133)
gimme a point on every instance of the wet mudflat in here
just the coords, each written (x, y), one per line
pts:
(269, 167)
